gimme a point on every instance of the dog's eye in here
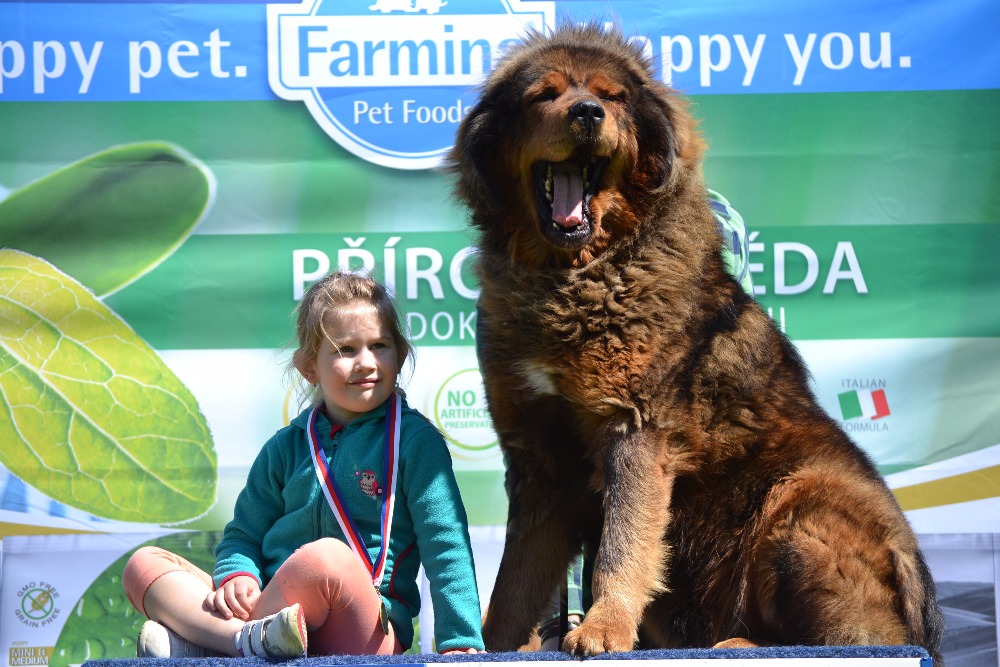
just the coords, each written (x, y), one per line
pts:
(547, 95)
(621, 98)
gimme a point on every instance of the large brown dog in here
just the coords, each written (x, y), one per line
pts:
(649, 411)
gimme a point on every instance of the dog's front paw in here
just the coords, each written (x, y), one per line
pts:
(594, 637)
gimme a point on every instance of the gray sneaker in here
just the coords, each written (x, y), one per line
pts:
(280, 636)
(159, 641)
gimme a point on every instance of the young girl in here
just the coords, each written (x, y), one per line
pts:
(340, 509)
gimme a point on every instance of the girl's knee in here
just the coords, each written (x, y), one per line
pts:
(327, 563)
(326, 554)
(144, 567)
(144, 560)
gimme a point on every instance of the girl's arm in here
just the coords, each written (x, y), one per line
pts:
(257, 507)
(441, 526)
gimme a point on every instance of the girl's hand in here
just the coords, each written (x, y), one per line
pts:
(236, 598)
(467, 651)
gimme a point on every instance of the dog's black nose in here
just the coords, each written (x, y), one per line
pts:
(588, 111)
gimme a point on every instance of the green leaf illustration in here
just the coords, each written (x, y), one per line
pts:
(103, 624)
(89, 413)
(111, 217)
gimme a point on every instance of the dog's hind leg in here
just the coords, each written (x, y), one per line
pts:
(839, 565)
(737, 642)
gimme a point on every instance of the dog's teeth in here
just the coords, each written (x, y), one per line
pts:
(548, 183)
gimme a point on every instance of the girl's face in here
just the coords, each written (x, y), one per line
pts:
(357, 370)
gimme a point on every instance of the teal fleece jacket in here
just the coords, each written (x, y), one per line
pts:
(282, 507)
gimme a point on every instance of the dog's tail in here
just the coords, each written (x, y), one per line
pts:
(924, 623)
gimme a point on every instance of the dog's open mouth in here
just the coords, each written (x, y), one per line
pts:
(563, 191)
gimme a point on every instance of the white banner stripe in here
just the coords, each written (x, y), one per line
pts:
(867, 403)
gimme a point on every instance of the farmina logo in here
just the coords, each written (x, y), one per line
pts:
(389, 80)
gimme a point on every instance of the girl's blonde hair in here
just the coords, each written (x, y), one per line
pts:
(336, 292)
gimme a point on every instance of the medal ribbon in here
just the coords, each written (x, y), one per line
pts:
(390, 464)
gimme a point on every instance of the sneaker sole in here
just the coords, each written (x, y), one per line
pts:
(300, 620)
(299, 643)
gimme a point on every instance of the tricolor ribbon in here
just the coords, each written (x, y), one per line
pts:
(390, 463)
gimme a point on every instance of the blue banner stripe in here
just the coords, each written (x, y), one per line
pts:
(189, 51)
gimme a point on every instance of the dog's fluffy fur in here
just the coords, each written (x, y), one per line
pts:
(648, 409)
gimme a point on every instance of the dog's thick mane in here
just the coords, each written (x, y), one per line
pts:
(662, 257)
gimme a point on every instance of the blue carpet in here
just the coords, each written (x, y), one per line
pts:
(777, 652)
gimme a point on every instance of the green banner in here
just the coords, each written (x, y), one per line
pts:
(819, 282)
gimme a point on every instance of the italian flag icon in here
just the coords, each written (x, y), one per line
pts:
(866, 403)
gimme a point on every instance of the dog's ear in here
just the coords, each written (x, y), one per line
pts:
(474, 155)
(654, 138)
(689, 143)
(666, 135)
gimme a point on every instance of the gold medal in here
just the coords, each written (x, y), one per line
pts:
(383, 615)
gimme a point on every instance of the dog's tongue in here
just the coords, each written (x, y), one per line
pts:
(567, 196)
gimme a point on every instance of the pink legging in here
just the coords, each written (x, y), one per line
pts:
(325, 577)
